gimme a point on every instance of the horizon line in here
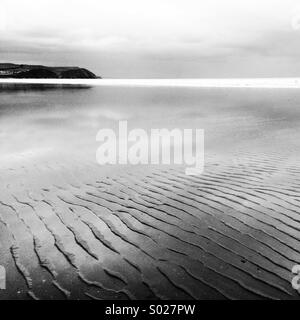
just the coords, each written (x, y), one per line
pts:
(284, 83)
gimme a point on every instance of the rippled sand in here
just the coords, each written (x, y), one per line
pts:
(70, 228)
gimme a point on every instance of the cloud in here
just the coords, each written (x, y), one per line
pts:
(152, 32)
(153, 21)
(3, 15)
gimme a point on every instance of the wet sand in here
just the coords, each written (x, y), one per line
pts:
(71, 229)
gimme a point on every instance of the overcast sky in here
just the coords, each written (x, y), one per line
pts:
(155, 38)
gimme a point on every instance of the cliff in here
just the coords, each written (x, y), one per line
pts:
(24, 71)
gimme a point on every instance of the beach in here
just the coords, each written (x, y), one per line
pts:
(73, 229)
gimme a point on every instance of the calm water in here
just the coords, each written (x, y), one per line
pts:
(39, 123)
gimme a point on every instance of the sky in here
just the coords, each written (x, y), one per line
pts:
(155, 38)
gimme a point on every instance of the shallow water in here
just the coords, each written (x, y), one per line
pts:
(42, 121)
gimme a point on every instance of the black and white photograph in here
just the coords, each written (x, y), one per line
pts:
(149, 150)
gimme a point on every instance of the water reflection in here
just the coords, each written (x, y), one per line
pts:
(66, 118)
(8, 87)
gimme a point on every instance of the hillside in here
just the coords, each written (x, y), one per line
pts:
(24, 71)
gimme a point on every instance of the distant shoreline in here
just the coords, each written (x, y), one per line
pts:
(27, 71)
